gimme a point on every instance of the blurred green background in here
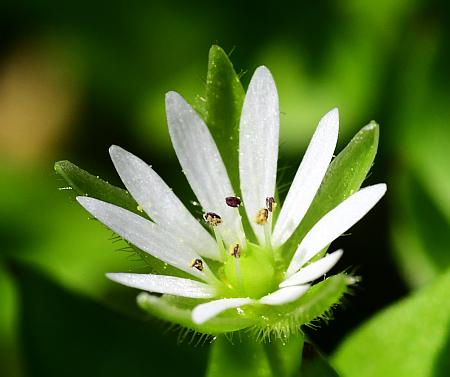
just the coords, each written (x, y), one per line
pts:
(76, 77)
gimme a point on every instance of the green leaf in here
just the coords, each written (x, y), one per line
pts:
(419, 231)
(421, 132)
(409, 338)
(344, 176)
(84, 183)
(221, 109)
(421, 177)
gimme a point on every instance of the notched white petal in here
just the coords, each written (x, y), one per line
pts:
(160, 203)
(202, 164)
(258, 145)
(313, 271)
(308, 178)
(284, 295)
(204, 312)
(336, 222)
(164, 284)
(144, 234)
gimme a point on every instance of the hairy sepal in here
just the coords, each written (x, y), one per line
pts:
(179, 311)
(86, 184)
(344, 177)
(315, 305)
(221, 108)
(262, 322)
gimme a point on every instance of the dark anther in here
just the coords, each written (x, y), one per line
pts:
(233, 201)
(212, 218)
(270, 204)
(235, 250)
(198, 264)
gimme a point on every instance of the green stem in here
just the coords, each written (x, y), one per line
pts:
(285, 357)
(245, 357)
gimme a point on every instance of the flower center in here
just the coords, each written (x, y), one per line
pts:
(248, 269)
(249, 272)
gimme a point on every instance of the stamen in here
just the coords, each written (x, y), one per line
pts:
(235, 250)
(198, 264)
(212, 218)
(262, 216)
(219, 242)
(267, 235)
(233, 201)
(271, 204)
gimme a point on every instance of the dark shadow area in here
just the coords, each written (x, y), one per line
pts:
(314, 364)
(64, 334)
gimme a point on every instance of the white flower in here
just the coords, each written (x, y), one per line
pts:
(249, 274)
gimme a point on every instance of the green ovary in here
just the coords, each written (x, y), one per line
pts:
(251, 275)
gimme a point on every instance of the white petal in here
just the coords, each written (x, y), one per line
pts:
(204, 312)
(144, 234)
(336, 222)
(314, 270)
(258, 145)
(284, 295)
(160, 203)
(164, 284)
(308, 177)
(202, 164)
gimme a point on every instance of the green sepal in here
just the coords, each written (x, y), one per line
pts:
(263, 322)
(86, 184)
(221, 109)
(344, 177)
(317, 303)
(179, 311)
(409, 338)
